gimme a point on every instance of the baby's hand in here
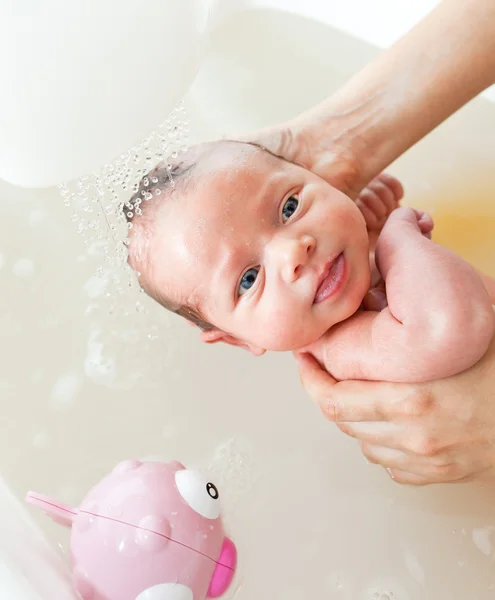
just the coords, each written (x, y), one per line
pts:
(417, 218)
(378, 199)
(376, 297)
(425, 222)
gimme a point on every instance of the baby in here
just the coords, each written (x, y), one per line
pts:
(263, 254)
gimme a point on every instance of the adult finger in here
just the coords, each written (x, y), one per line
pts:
(317, 382)
(406, 478)
(382, 401)
(425, 474)
(340, 401)
(387, 457)
(384, 433)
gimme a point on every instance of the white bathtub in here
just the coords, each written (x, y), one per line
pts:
(311, 519)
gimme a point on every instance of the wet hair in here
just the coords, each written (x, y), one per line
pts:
(156, 188)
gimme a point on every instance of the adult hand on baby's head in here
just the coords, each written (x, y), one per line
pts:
(376, 198)
(299, 141)
(437, 432)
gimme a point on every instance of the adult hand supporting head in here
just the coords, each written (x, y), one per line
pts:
(436, 68)
(436, 432)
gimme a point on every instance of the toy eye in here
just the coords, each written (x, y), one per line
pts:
(212, 491)
(201, 495)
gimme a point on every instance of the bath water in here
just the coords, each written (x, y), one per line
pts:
(464, 218)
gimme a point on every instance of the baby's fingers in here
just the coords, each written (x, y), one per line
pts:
(425, 222)
(379, 198)
(390, 189)
(373, 208)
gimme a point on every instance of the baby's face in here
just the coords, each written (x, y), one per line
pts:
(270, 252)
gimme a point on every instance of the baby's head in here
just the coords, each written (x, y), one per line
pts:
(256, 251)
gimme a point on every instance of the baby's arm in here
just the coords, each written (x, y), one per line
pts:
(489, 284)
(439, 320)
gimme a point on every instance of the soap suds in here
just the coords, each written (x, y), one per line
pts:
(65, 390)
(23, 268)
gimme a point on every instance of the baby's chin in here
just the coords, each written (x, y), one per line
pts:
(292, 338)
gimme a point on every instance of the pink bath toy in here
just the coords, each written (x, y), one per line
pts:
(148, 531)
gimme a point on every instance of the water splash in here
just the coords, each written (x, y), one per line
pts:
(96, 202)
(234, 471)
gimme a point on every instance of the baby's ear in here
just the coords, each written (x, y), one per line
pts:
(216, 335)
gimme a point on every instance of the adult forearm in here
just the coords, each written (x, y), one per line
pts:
(441, 64)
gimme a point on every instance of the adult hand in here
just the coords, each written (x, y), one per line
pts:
(436, 432)
(408, 90)
(298, 141)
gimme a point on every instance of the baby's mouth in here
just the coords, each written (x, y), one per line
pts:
(331, 279)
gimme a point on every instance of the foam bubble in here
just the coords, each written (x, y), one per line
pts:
(482, 541)
(36, 217)
(51, 322)
(387, 589)
(23, 268)
(66, 389)
(40, 440)
(95, 286)
(99, 368)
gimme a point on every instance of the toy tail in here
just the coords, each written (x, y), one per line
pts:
(60, 513)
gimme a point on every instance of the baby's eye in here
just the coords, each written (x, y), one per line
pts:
(289, 208)
(248, 280)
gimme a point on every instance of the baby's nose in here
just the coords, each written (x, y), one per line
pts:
(295, 255)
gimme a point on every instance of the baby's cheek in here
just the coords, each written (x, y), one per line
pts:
(286, 330)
